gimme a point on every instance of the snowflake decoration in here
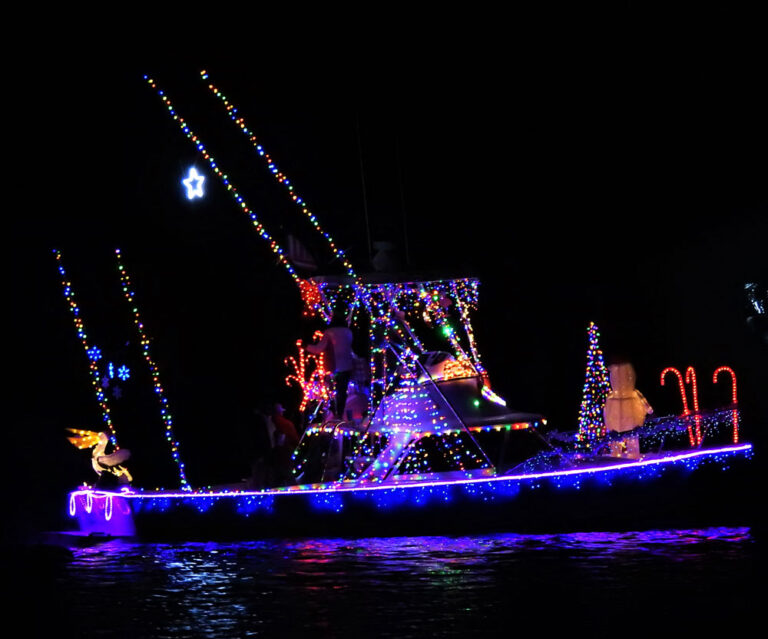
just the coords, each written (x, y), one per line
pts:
(94, 354)
(123, 372)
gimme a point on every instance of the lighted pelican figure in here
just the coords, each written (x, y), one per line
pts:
(112, 463)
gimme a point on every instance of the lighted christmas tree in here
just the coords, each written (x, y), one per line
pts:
(596, 388)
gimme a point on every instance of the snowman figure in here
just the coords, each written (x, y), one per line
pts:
(625, 409)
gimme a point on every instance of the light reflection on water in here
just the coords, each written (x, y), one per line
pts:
(410, 586)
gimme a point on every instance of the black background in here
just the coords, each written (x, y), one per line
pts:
(606, 167)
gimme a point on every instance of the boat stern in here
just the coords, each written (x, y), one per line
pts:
(102, 512)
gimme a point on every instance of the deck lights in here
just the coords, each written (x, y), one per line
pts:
(89, 504)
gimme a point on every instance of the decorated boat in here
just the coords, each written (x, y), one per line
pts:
(422, 444)
(441, 452)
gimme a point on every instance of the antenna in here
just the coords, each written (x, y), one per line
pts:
(402, 200)
(362, 180)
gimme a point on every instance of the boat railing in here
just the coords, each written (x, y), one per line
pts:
(662, 434)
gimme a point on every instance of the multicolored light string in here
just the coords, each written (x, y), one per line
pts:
(464, 312)
(154, 372)
(596, 388)
(360, 293)
(276, 248)
(92, 353)
(383, 323)
(280, 176)
(433, 305)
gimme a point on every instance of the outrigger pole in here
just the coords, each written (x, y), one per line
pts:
(91, 352)
(379, 316)
(361, 294)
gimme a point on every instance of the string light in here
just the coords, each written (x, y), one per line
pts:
(596, 388)
(93, 353)
(734, 401)
(311, 379)
(690, 378)
(154, 372)
(280, 176)
(401, 495)
(729, 370)
(680, 384)
(274, 246)
(681, 387)
(383, 323)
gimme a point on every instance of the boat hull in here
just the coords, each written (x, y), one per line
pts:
(694, 488)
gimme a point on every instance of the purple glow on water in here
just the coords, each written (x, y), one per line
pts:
(409, 586)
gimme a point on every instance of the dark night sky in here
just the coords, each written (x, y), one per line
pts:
(615, 175)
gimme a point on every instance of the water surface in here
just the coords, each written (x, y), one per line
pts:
(603, 584)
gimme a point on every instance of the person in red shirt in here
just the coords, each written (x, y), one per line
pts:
(285, 438)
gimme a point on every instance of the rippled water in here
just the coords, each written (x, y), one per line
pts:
(598, 583)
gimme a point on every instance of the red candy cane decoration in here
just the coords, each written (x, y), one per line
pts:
(681, 386)
(734, 400)
(690, 378)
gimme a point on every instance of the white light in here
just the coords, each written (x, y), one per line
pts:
(194, 184)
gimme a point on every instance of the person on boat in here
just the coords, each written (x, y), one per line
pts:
(260, 444)
(625, 409)
(285, 438)
(336, 343)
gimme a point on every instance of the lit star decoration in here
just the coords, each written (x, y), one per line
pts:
(101, 396)
(274, 246)
(383, 325)
(596, 388)
(194, 184)
(153, 370)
